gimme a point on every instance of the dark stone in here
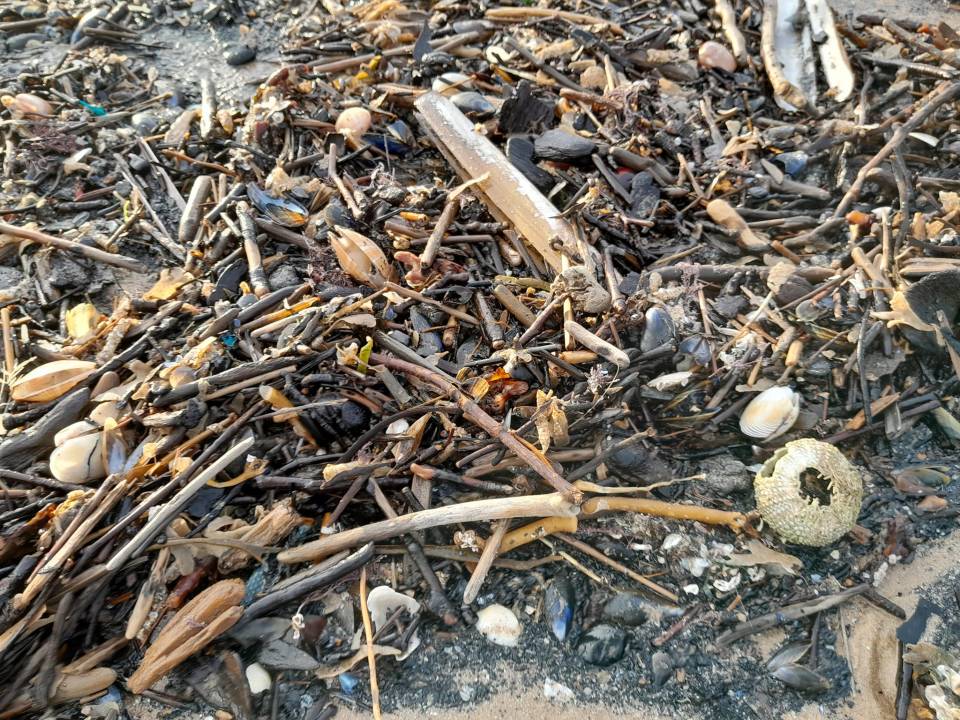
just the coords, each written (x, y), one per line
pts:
(520, 155)
(729, 306)
(644, 195)
(239, 54)
(602, 645)
(284, 276)
(662, 668)
(626, 609)
(631, 283)
(562, 146)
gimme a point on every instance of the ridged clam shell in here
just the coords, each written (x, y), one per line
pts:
(499, 625)
(798, 519)
(771, 413)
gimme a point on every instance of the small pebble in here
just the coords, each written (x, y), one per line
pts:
(713, 55)
(354, 121)
(239, 54)
(602, 645)
(557, 692)
(593, 77)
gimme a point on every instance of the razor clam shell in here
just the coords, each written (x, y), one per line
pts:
(788, 56)
(833, 58)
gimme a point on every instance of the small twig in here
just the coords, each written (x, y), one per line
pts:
(371, 656)
(485, 562)
(64, 244)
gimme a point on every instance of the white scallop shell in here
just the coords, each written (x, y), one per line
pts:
(499, 625)
(771, 413)
(78, 460)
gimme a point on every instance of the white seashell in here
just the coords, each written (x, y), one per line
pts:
(81, 427)
(671, 380)
(499, 625)
(78, 460)
(258, 679)
(771, 413)
(105, 411)
(354, 121)
(451, 83)
(383, 601)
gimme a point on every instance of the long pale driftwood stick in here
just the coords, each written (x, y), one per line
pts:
(473, 412)
(475, 511)
(90, 252)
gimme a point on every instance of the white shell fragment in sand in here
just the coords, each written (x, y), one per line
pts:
(258, 679)
(382, 602)
(499, 625)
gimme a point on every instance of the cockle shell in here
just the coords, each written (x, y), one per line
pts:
(798, 519)
(499, 625)
(354, 122)
(771, 413)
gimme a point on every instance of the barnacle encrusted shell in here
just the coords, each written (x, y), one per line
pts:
(802, 520)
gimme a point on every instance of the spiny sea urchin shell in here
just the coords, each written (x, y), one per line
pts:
(804, 520)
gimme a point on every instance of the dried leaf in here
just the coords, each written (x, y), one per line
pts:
(169, 282)
(776, 563)
(551, 421)
(82, 320)
(51, 380)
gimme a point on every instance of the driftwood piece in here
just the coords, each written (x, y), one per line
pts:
(20, 450)
(475, 511)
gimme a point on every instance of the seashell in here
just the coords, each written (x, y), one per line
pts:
(800, 677)
(658, 329)
(694, 350)
(258, 678)
(354, 122)
(559, 605)
(787, 655)
(104, 411)
(451, 83)
(795, 517)
(562, 146)
(280, 210)
(383, 601)
(81, 427)
(78, 460)
(26, 105)
(499, 625)
(360, 257)
(472, 103)
(51, 380)
(771, 413)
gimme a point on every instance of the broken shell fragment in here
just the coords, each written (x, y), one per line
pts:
(771, 413)
(783, 483)
(51, 380)
(499, 625)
